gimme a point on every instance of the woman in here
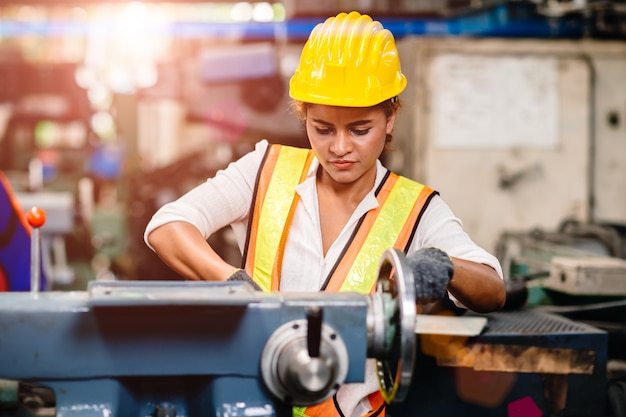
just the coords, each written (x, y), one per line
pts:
(319, 220)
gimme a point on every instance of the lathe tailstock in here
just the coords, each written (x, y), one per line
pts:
(167, 349)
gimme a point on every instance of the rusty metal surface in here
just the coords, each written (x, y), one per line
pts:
(523, 341)
(515, 358)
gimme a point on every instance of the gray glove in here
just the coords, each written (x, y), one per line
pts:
(241, 275)
(432, 270)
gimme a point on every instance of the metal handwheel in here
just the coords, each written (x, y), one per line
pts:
(395, 285)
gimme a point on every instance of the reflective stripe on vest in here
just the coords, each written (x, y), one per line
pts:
(392, 224)
(274, 204)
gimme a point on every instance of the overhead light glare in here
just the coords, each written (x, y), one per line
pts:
(241, 12)
(262, 12)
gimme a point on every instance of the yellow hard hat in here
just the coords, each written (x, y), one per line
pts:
(349, 60)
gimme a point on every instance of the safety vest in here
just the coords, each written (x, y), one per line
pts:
(393, 224)
(330, 408)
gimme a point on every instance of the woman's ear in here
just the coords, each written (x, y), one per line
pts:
(390, 122)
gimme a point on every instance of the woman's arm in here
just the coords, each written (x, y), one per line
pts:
(183, 248)
(179, 230)
(476, 282)
(477, 286)
(474, 285)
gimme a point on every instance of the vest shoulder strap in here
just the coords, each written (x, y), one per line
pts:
(274, 202)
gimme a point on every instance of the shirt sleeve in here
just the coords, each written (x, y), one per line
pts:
(218, 202)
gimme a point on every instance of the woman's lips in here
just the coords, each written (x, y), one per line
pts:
(342, 165)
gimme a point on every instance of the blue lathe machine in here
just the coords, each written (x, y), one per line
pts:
(168, 349)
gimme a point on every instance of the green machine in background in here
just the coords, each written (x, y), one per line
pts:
(578, 272)
(576, 264)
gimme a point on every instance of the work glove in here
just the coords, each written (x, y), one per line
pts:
(432, 270)
(241, 275)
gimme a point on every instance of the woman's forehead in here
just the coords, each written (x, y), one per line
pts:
(343, 114)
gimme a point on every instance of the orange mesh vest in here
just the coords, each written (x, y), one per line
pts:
(392, 224)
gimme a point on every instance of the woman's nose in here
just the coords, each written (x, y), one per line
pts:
(342, 144)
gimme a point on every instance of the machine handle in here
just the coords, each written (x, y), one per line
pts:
(395, 369)
(314, 317)
(36, 217)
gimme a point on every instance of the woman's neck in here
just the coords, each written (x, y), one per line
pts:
(351, 193)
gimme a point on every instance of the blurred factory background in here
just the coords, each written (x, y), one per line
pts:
(110, 109)
(515, 111)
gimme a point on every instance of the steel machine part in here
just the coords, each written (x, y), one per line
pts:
(391, 326)
(304, 362)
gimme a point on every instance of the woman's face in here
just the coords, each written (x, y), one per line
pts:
(348, 141)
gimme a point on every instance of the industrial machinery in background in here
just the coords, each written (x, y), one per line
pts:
(52, 158)
(577, 271)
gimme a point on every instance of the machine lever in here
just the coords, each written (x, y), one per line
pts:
(36, 218)
(314, 317)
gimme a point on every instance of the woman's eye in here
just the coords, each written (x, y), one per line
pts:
(360, 132)
(323, 130)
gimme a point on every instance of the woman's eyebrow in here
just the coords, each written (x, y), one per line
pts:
(351, 124)
(360, 122)
(322, 122)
